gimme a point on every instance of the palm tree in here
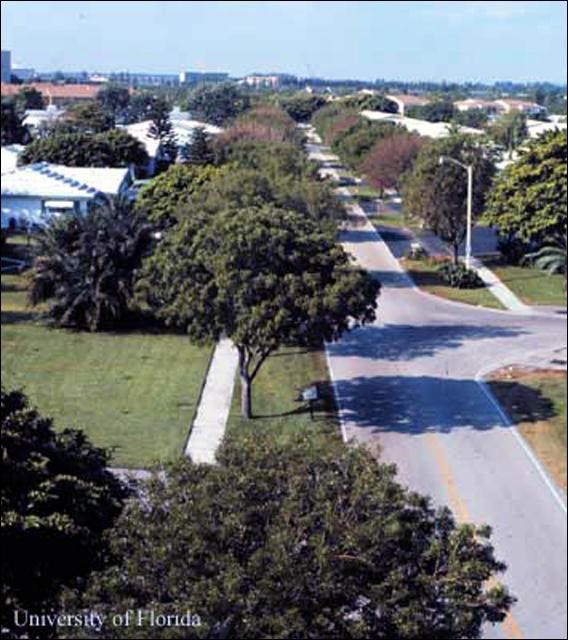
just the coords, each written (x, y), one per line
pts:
(551, 257)
(87, 265)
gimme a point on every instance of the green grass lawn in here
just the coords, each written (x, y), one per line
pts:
(135, 392)
(390, 219)
(536, 401)
(275, 406)
(532, 286)
(427, 278)
(364, 191)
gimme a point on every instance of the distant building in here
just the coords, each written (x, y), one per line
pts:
(199, 77)
(144, 79)
(25, 74)
(57, 94)
(6, 66)
(33, 194)
(478, 104)
(503, 105)
(525, 106)
(404, 100)
(262, 82)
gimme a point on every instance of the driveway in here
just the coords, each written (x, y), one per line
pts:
(407, 385)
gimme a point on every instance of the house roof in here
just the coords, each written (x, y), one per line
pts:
(475, 103)
(514, 103)
(183, 130)
(53, 90)
(422, 127)
(10, 155)
(409, 100)
(43, 180)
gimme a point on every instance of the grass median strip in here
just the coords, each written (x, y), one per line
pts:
(276, 407)
(532, 286)
(135, 392)
(426, 276)
(536, 402)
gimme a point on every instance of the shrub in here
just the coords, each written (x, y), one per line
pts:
(417, 252)
(459, 276)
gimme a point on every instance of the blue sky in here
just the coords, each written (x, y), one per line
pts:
(425, 40)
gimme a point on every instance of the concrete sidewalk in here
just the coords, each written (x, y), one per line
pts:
(209, 425)
(508, 299)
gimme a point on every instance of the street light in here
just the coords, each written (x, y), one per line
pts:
(469, 169)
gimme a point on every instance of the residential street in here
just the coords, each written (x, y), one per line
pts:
(408, 385)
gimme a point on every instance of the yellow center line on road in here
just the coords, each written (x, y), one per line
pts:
(458, 506)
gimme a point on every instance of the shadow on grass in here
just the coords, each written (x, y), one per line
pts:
(18, 317)
(323, 408)
(525, 403)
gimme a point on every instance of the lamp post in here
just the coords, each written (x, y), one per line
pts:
(469, 169)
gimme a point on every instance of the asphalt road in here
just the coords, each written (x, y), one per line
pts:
(407, 384)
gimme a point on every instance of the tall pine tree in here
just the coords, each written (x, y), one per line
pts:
(161, 129)
(198, 150)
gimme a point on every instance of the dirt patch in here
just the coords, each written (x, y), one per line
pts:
(535, 399)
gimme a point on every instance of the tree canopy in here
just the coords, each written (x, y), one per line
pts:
(528, 199)
(438, 194)
(90, 117)
(58, 498)
(113, 148)
(115, 100)
(302, 106)
(216, 104)
(163, 199)
(509, 131)
(263, 277)
(297, 541)
(13, 129)
(390, 158)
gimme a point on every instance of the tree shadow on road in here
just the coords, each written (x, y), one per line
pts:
(416, 405)
(407, 342)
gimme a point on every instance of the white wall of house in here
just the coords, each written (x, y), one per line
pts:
(21, 211)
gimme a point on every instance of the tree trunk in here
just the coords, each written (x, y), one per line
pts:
(246, 386)
(246, 397)
(456, 248)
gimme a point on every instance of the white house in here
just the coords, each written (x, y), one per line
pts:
(34, 193)
(183, 130)
(422, 127)
(36, 118)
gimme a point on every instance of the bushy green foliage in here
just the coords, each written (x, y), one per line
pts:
(163, 199)
(529, 197)
(87, 265)
(327, 117)
(300, 107)
(476, 118)
(217, 104)
(115, 100)
(371, 102)
(108, 149)
(437, 111)
(88, 117)
(509, 131)
(353, 145)
(161, 129)
(58, 499)
(296, 541)
(264, 277)
(459, 276)
(438, 194)
(267, 157)
(199, 150)
(12, 123)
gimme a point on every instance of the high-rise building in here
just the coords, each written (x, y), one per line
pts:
(6, 66)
